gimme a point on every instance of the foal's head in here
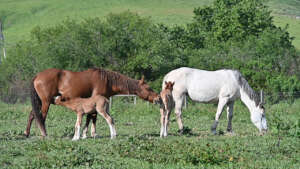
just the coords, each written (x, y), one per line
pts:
(169, 86)
(166, 95)
(167, 91)
(57, 100)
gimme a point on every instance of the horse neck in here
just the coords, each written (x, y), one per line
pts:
(123, 86)
(167, 97)
(250, 103)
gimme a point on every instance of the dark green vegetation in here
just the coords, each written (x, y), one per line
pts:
(234, 34)
(138, 144)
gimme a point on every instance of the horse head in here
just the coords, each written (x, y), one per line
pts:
(146, 93)
(258, 118)
(169, 85)
(57, 100)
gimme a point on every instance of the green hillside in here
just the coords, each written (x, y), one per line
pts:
(20, 17)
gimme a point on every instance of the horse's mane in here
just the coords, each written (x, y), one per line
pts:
(246, 87)
(117, 79)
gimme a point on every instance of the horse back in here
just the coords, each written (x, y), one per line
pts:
(68, 84)
(203, 85)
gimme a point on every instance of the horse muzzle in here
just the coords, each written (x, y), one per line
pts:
(157, 100)
(263, 132)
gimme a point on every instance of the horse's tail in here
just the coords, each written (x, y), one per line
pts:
(36, 108)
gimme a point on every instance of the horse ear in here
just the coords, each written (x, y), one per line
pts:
(166, 82)
(173, 83)
(142, 80)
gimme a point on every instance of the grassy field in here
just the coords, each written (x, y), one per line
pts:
(20, 17)
(138, 144)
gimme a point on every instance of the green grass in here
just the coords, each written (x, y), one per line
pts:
(138, 144)
(20, 17)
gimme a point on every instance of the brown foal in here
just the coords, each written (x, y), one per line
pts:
(95, 104)
(168, 104)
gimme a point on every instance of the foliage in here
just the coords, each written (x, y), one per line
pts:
(232, 34)
(240, 34)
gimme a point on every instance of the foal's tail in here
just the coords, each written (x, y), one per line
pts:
(36, 108)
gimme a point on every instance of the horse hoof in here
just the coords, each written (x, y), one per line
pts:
(26, 134)
(75, 139)
(231, 133)
(94, 135)
(180, 132)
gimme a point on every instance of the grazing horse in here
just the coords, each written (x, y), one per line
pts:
(168, 103)
(222, 86)
(56, 82)
(89, 105)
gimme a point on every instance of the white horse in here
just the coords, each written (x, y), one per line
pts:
(222, 86)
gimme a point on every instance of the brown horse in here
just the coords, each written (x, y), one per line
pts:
(56, 82)
(165, 110)
(81, 106)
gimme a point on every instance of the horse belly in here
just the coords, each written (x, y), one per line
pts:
(204, 96)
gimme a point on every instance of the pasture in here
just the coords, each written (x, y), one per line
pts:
(138, 144)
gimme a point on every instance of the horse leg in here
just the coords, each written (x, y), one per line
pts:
(86, 126)
(30, 119)
(222, 103)
(77, 126)
(178, 109)
(162, 121)
(167, 119)
(93, 127)
(229, 116)
(103, 111)
(45, 108)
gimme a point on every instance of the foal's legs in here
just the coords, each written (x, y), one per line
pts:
(229, 116)
(222, 103)
(86, 126)
(103, 111)
(162, 120)
(167, 118)
(77, 126)
(93, 127)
